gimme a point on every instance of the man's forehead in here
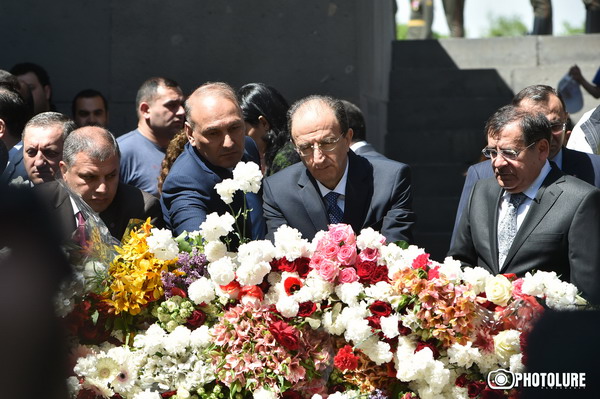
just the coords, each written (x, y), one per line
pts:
(551, 108)
(46, 133)
(315, 115)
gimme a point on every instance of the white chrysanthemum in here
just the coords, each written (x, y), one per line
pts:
(411, 321)
(315, 289)
(332, 322)
(439, 377)
(215, 250)
(487, 362)
(222, 271)
(463, 355)
(379, 352)
(250, 273)
(200, 337)
(226, 189)
(357, 330)
(379, 291)
(162, 244)
(215, 226)
(256, 251)
(369, 238)
(248, 176)
(349, 292)
(476, 276)
(125, 380)
(99, 387)
(391, 255)
(287, 306)
(561, 295)
(106, 369)
(506, 344)
(147, 394)
(73, 386)
(535, 284)
(262, 393)
(178, 340)
(289, 243)
(516, 363)
(361, 311)
(201, 291)
(389, 326)
(451, 269)
(412, 366)
(152, 340)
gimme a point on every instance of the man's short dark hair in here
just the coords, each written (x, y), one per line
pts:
(13, 111)
(88, 93)
(333, 104)
(26, 67)
(534, 125)
(148, 89)
(356, 121)
(49, 119)
(9, 81)
(538, 94)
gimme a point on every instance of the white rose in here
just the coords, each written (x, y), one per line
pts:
(498, 289)
(506, 344)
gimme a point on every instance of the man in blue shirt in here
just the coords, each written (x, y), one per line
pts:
(159, 104)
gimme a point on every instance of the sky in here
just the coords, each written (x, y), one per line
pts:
(476, 14)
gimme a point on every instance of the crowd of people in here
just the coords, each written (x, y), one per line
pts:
(534, 204)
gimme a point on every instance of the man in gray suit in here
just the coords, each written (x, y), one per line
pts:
(356, 122)
(531, 216)
(333, 184)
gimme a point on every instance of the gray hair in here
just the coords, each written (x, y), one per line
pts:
(51, 119)
(97, 142)
(219, 88)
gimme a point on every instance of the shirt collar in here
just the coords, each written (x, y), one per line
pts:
(558, 159)
(357, 145)
(341, 186)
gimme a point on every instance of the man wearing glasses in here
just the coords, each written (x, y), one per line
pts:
(531, 216)
(333, 184)
(544, 99)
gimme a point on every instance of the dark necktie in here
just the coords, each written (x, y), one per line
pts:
(507, 228)
(334, 212)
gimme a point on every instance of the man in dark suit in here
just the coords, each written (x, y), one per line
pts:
(356, 122)
(333, 184)
(217, 142)
(90, 168)
(531, 216)
(544, 99)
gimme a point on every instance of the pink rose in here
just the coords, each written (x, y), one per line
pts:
(331, 251)
(347, 275)
(342, 233)
(328, 270)
(347, 255)
(315, 261)
(369, 255)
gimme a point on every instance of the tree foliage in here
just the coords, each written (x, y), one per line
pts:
(506, 26)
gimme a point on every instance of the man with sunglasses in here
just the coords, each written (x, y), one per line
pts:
(333, 184)
(531, 216)
(546, 100)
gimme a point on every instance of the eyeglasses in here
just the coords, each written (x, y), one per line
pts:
(509, 154)
(558, 127)
(307, 150)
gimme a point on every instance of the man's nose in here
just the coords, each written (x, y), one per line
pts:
(228, 141)
(40, 159)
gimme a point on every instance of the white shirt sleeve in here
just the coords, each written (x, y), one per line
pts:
(577, 139)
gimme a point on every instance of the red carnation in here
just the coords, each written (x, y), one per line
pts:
(291, 285)
(461, 381)
(381, 309)
(197, 318)
(434, 272)
(374, 322)
(285, 335)
(306, 309)
(421, 262)
(474, 388)
(346, 359)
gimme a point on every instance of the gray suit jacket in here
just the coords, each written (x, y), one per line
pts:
(378, 195)
(560, 232)
(369, 151)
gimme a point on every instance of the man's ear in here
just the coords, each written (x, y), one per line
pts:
(188, 132)
(350, 134)
(48, 92)
(544, 147)
(143, 109)
(63, 167)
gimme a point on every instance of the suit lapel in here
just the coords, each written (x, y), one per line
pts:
(540, 205)
(494, 203)
(313, 202)
(359, 191)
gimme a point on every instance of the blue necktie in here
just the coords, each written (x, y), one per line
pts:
(334, 212)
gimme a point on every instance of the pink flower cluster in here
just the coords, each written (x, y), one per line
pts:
(336, 258)
(255, 348)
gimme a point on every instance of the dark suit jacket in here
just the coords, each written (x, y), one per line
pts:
(14, 169)
(368, 151)
(559, 233)
(582, 165)
(378, 195)
(189, 195)
(129, 203)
